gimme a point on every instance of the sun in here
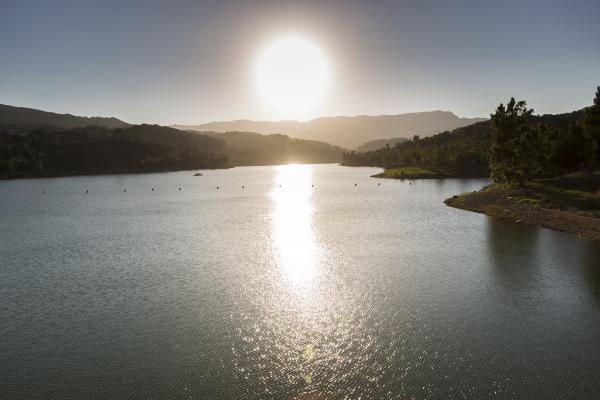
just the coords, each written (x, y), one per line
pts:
(292, 75)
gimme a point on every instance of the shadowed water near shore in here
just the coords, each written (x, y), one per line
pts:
(301, 284)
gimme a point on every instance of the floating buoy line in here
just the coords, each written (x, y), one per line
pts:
(180, 188)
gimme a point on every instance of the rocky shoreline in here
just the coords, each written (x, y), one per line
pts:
(524, 205)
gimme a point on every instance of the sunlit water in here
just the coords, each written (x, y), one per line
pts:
(301, 285)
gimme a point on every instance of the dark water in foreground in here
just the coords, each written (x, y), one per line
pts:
(328, 292)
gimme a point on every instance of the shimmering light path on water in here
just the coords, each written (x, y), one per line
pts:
(287, 282)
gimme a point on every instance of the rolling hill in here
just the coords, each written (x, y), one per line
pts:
(466, 148)
(348, 132)
(20, 120)
(249, 148)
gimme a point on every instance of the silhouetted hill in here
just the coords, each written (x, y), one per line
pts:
(379, 144)
(99, 150)
(148, 148)
(19, 120)
(464, 148)
(348, 132)
(249, 148)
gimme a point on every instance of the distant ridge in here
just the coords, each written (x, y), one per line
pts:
(348, 132)
(18, 120)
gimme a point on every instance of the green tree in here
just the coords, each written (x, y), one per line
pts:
(591, 127)
(514, 143)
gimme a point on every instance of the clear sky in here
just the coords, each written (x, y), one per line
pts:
(193, 61)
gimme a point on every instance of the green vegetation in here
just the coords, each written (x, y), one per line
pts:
(556, 144)
(248, 148)
(522, 148)
(591, 129)
(532, 168)
(139, 148)
(413, 173)
(462, 149)
(147, 148)
(569, 203)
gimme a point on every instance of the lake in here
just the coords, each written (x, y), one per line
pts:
(309, 282)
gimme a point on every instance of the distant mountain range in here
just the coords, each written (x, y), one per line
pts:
(39, 143)
(347, 132)
(466, 149)
(19, 120)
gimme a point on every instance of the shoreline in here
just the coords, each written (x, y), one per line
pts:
(524, 205)
(428, 173)
(65, 174)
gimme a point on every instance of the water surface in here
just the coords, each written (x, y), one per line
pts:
(310, 282)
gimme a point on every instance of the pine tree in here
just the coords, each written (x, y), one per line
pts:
(514, 144)
(591, 127)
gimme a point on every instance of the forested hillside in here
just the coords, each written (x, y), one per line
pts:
(145, 148)
(467, 148)
(248, 148)
(101, 150)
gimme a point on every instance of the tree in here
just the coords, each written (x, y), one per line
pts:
(514, 144)
(591, 128)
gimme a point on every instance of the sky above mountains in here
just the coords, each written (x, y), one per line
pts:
(190, 62)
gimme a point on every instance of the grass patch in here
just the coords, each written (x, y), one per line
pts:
(411, 173)
(569, 203)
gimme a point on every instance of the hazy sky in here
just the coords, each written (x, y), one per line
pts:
(192, 61)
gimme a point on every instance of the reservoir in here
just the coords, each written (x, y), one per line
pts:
(286, 282)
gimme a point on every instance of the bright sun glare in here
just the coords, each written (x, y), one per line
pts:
(292, 75)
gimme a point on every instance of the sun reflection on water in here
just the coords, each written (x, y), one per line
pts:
(297, 249)
(306, 339)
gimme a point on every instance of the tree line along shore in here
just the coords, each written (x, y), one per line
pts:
(545, 170)
(50, 151)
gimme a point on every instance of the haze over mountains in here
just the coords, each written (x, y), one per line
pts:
(38, 143)
(347, 132)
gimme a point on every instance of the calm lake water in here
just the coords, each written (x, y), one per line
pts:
(318, 289)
